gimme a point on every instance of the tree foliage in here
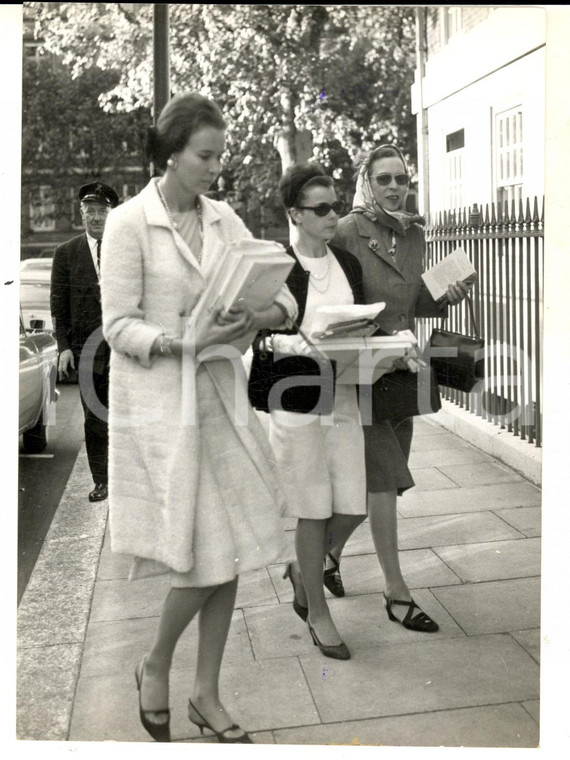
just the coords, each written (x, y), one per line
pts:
(333, 78)
(67, 138)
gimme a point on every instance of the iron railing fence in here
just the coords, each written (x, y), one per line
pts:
(506, 246)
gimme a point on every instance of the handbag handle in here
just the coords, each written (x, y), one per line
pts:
(472, 315)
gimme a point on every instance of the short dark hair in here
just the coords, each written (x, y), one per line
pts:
(299, 178)
(180, 118)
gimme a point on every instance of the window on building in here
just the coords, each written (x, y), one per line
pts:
(129, 191)
(451, 22)
(31, 50)
(42, 209)
(454, 146)
(76, 220)
(509, 155)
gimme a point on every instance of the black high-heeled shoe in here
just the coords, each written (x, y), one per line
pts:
(202, 723)
(160, 732)
(420, 622)
(303, 612)
(337, 651)
(331, 577)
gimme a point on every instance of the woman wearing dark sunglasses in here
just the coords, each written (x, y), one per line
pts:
(321, 460)
(389, 243)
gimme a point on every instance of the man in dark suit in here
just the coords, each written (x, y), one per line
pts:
(76, 315)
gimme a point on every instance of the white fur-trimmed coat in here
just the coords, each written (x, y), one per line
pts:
(159, 474)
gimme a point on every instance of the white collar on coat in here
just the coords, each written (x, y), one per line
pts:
(156, 213)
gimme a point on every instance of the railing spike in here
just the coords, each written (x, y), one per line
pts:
(527, 213)
(520, 219)
(501, 212)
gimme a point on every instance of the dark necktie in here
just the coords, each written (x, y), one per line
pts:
(98, 255)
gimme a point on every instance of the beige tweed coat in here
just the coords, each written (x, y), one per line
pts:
(197, 496)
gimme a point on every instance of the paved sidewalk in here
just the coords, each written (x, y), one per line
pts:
(470, 541)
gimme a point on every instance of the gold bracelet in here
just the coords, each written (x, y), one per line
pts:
(165, 346)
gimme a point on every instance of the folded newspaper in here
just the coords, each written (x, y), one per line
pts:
(354, 320)
(455, 266)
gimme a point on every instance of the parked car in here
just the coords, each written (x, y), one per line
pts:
(35, 277)
(37, 381)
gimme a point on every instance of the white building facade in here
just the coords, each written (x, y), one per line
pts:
(480, 105)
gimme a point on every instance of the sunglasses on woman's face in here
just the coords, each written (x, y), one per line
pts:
(325, 208)
(384, 179)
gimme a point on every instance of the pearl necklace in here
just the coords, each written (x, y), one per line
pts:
(174, 225)
(314, 278)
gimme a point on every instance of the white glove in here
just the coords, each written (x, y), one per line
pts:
(290, 345)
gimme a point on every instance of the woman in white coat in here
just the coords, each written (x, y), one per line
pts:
(193, 492)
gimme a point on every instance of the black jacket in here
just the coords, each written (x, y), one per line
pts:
(75, 299)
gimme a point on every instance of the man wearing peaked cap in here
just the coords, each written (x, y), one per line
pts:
(97, 192)
(76, 314)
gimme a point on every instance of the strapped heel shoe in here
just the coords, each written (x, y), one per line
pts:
(331, 577)
(160, 732)
(303, 612)
(337, 651)
(420, 622)
(202, 723)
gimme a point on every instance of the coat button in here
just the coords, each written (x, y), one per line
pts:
(403, 318)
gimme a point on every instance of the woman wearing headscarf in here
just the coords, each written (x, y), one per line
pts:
(390, 245)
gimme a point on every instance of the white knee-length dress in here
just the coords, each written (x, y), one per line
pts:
(321, 458)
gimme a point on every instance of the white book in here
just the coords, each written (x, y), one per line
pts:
(256, 280)
(249, 271)
(364, 360)
(455, 266)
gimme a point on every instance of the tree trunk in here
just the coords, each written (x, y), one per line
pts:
(293, 145)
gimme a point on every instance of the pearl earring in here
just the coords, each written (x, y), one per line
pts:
(172, 163)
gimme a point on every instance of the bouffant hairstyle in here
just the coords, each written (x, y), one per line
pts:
(298, 179)
(180, 118)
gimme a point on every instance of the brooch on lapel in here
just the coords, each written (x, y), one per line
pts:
(374, 245)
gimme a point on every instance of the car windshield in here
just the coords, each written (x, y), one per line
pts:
(37, 264)
(34, 295)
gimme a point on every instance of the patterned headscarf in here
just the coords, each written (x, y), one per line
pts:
(364, 202)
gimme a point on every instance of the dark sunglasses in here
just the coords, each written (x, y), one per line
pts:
(384, 179)
(325, 208)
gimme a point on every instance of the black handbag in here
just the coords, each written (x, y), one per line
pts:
(406, 394)
(465, 365)
(301, 384)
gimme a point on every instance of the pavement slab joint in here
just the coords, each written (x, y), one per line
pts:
(470, 549)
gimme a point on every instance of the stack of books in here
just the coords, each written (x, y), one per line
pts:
(250, 272)
(344, 334)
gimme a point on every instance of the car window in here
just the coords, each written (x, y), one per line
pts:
(34, 295)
